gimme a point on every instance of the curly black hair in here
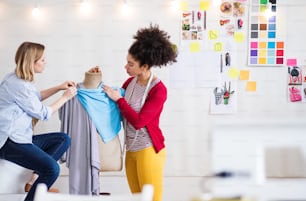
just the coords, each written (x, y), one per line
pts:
(153, 47)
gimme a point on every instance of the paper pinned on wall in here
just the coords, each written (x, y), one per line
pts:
(291, 62)
(204, 5)
(239, 37)
(194, 47)
(224, 98)
(203, 70)
(184, 5)
(244, 75)
(213, 35)
(251, 86)
(233, 73)
(218, 47)
(266, 47)
(193, 26)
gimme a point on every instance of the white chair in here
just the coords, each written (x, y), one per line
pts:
(13, 177)
(43, 195)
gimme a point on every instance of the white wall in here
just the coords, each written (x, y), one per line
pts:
(76, 42)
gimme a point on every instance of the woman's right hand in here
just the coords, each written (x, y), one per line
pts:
(113, 94)
(70, 92)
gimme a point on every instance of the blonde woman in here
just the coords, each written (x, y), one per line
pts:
(20, 102)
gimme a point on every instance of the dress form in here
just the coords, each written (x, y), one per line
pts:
(92, 79)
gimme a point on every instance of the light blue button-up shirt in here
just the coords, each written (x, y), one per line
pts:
(19, 103)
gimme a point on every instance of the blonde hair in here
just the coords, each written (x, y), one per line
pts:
(27, 54)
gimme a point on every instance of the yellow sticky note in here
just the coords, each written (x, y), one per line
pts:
(204, 5)
(251, 86)
(194, 47)
(213, 34)
(218, 47)
(239, 36)
(184, 6)
(233, 72)
(244, 75)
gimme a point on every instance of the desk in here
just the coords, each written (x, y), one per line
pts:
(271, 189)
(240, 146)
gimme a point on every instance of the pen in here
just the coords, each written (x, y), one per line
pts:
(204, 19)
(221, 64)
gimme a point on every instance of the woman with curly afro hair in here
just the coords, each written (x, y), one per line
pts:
(141, 107)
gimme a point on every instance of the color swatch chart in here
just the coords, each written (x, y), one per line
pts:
(264, 47)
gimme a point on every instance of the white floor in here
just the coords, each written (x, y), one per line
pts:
(188, 188)
(12, 197)
(176, 188)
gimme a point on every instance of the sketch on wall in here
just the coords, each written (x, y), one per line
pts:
(296, 83)
(224, 98)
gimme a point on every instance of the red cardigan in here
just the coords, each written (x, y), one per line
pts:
(149, 114)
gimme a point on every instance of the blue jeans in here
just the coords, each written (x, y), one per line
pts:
(41, 157)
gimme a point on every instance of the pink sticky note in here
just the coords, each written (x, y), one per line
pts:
(291, 62)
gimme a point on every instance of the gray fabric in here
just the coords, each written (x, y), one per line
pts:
(82, 158)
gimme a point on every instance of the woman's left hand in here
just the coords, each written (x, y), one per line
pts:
(66, 85)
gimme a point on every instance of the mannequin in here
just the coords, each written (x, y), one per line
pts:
(81, 118)
(93, 78)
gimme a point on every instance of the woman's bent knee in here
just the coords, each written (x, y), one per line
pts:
(53, 170)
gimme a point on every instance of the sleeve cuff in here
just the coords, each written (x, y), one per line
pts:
(49, 112)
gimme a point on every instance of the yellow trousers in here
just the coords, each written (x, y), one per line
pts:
(146, 167)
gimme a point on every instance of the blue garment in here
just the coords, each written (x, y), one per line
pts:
(41, 156)
(19, 102)
(103, 111)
